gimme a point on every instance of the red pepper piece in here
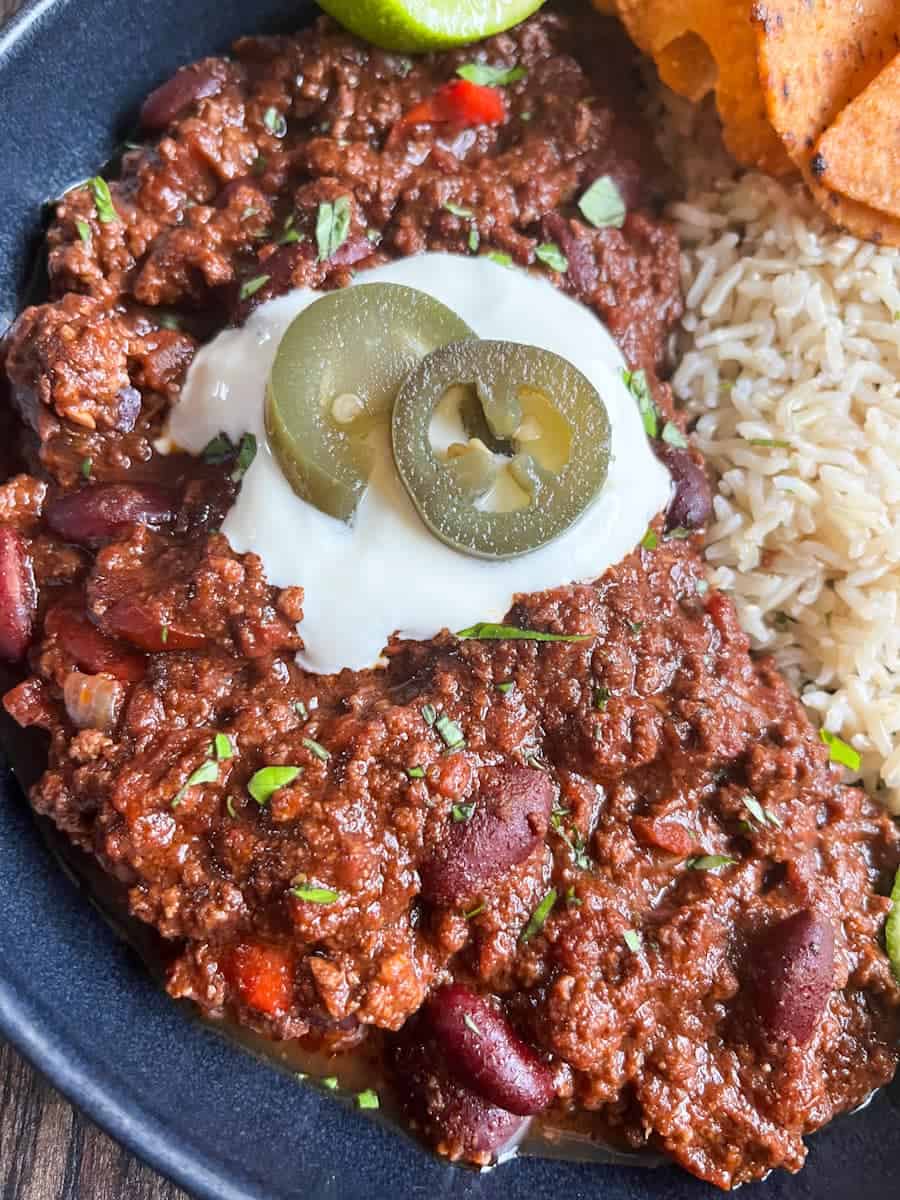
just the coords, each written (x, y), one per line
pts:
(459, 103)
(263, 977)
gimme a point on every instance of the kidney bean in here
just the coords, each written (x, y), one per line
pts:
(136, 621)
(691, 503)
(512, 811)
(486, 1054)
(792, 973)
(88, 646)
(98, 514)
(18, 595)
(186, 87)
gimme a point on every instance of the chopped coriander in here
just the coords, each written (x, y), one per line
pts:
(650, 540)
(635, 627)
(164, 634)
(601, 698)
(551, 256)
(207, 772)
(316, 895)
(84, 230)
(462, 812)
(229, 805)
(290, 238)
(330, 1082)
(223, 746)
(761, 815)
(415, 772)
(332, 227)
(673, 436)
(404, 66)
(473, 912)
(577, 847)
(525, 116)
(470, 1024)
(636, 382)
(457, 210)
(251, 286)
(633, 940)
(474, 240)
(264, 783)
(571, 899)
(602, 204)
(892, 929)
(275, 122)
(501, 259)
(538, 918)
(300, 709)
(484, 631)
(678, 534)
(367, 1099)
(556, 815)
(451, 734)
(429, 714)
(487, 76)
(245, 456)
(317, 749)
(87, 466)
(710, 862)
(103, 201)
(168, 321)
(218, 450)
(771, 443)
(839, 751)
(506, 687)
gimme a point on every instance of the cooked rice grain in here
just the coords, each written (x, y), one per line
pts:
(790, 363)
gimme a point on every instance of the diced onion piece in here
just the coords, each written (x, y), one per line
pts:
(92, 701)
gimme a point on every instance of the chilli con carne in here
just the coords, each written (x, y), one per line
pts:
(591, 866)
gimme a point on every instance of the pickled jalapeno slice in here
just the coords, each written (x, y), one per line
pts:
(335, 376)
(532, 451)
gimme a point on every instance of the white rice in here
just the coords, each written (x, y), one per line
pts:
(792, 334)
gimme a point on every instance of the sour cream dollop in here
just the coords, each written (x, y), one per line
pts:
(386, 571)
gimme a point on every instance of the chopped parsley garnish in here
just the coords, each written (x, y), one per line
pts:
(487, 76)
(650, 540)
(506, 687)
(429, 714)
(761, 815)
(245, 455)
(679, 534)
(474, 240)
(275, 122)
(300, 709)
(636, 382)
(538, 918)
(103, 201)
(207, 772)
(164, 634)
(470, 1024)
(332, 227)
(571, 899)
(457, 210)
(602, 204)
(316, 895)
(367, 1099)
(330, 1082)
(473, 912)
(710, 862)
(601, 698)
(525, 116)
(577, 847)
(223, 746)
(451, 734)
(218, 450)
(87, 465)
(415, 772)
(771, 443)
(317, 749)
(484, 631)
(462, 812)
(267, 781)
(289, 238)
(673, 436)
(635, 627)
(551, 256)
(633, 940)
(839, 751)
(892, 929)
(251, 286)
(84, 230)
(503, 260)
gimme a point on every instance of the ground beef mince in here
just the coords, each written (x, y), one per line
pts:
(612, 882)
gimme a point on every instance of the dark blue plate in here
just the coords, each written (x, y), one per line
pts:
(73, 997)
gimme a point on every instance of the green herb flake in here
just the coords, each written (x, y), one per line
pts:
(538, 918)
(577, 848)
(164, 634)
(650, 540)
(636, 382)
(429, 714)
(636, 627)
(87, 466)
(571, 899)
(330, 1082)
(486, 76)
(415, 772)
(245, 456)
(679, 534)
(218, 450)
(168, 321)
(470, 1024)
(223, 746)
(892, 928)
(259, 165)
(207, 772)
(474, 912)
(84, 230)
(300, 709)
(474, 240)
(103, 201)
(317, 749)
(451, 734)
(551, 256)
(501, 259)
(506, 687)
(673, 436)
(332, 227)
(251, 286)
(462, 812)
(601, 698)
(839, 751)
(710, 862)
(316, 895)
(457, 210)
(486, 632)
(770, 443)
(525, 116)
(229, 805)
(275, 122)
(267, 781)
(290, 238)
(633, 940)
(367, 1099)
(602, 204)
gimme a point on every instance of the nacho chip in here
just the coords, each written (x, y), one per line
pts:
(700, 46)
(859, 155)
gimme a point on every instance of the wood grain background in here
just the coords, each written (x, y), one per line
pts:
(48, 1150)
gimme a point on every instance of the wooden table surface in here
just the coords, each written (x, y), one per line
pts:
(48, 1150)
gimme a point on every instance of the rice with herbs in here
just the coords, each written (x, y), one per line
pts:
(790, 363)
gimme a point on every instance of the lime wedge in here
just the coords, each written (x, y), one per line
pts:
(413, 25)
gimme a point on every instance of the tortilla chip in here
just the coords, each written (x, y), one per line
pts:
(698, 46)
(814, 59)
(859, 155)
